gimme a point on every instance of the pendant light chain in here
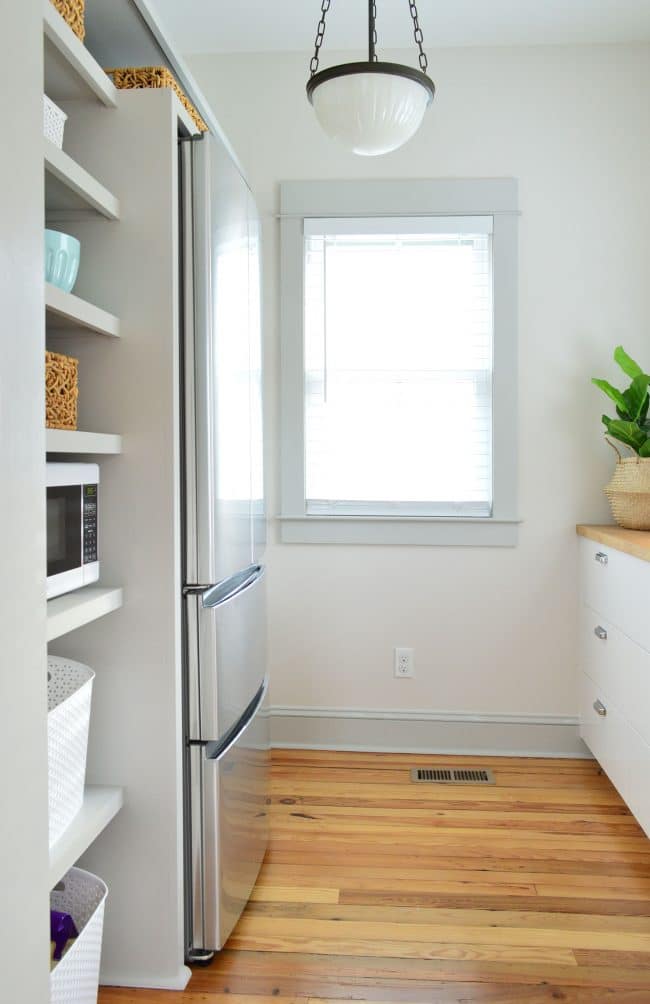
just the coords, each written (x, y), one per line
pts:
(373, 31)
(418, 36)
(320, 33)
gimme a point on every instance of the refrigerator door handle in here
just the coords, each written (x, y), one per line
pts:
(231, 587)
(218, 750)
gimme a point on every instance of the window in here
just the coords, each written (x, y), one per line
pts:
(399, 363)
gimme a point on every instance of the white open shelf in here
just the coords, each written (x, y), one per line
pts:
(73, 610)
(69, 441)
(100, 805)
(65, 311)
(70, 72)
(70, 188)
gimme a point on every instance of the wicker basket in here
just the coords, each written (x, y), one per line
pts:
(75, 979)
(69, 695)
(154, 76)
(54, 119)
(72, 12)
(629, 493)
(61, 391)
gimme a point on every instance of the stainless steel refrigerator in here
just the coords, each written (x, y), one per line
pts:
(226, 728)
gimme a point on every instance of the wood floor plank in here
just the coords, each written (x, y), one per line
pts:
(374, 889)
(263, 893)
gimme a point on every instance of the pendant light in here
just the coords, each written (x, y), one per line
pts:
(370, 107)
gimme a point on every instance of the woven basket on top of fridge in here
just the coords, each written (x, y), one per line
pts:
(129, 77)
(73, 13)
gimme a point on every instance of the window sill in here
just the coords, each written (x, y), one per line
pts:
(400, 530)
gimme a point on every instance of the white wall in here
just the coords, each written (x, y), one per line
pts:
(493, 629)
(24, 944)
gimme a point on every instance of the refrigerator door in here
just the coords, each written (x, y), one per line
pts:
(258, 512)
(232, 831)
(218, 364)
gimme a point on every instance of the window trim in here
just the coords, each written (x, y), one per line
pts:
(497, 198)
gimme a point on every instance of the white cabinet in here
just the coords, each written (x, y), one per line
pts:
(615, 669)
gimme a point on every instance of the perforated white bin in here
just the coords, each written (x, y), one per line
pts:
(75, 979)
(54, 119)
(69, 693)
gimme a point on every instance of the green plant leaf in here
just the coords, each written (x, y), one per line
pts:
(636, 397)
(626, 432)
(644, 411)
(644, 449)
(627, 364)
(616, 396)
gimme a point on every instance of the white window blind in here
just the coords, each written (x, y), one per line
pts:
(398, 348)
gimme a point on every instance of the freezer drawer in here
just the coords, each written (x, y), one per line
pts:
(231, 656)
(232, 832)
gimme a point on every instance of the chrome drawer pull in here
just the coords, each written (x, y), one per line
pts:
(601, 633)
(601, 557)
(600, 708)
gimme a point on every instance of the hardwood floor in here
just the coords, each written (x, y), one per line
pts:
(375, 889)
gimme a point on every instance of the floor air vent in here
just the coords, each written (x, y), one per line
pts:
(452, 775)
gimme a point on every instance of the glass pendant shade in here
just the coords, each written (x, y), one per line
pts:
(371, 108)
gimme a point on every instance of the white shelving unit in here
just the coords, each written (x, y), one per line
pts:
(71, 73)
(100, 805)
(65, 312)
(74, 610)
(67, 441)
(69, 188)
(73, 78)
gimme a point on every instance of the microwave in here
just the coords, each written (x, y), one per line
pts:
(72, 557)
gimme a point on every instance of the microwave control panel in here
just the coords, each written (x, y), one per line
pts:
(89, 524)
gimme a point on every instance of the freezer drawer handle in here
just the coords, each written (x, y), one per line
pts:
(226, 590)
(216, 750)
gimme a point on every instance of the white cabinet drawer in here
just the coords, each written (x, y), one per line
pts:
(619, 666)
(617, 586)
(619, 749)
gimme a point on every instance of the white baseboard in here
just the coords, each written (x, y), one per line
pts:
(150, 981)
(380, 730)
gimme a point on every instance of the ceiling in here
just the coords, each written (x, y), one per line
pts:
(290, 25)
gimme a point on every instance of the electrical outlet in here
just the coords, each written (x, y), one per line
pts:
(404, 667)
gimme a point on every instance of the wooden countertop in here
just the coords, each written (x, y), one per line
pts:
(634, 542)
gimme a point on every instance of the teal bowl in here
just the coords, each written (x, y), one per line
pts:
(61, 259)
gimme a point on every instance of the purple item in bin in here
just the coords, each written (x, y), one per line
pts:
(62, 928)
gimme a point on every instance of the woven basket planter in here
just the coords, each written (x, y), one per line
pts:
(72, 12)
(629, 493)
(61, 391)
(131, 77)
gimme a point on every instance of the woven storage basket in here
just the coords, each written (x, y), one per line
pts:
(72, 12)
(69, 693)
(75, 979)
(154, 76)
(61, 391)
(629, 493)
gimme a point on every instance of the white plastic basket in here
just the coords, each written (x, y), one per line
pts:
(75, 979)
(54, 119)
(69, 693)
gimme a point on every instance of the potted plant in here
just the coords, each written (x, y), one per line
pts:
(629, 490)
